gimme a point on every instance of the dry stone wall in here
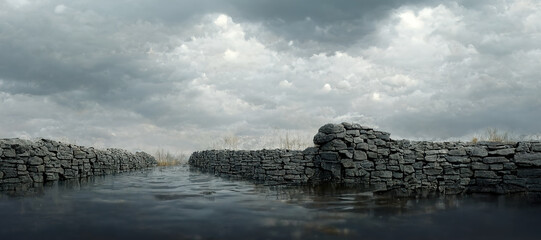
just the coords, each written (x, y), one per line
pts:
(363, 157)
(24, 163)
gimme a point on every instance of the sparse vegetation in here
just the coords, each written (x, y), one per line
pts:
(277, 138)
(494, 135)
(166, 158)
(294, 142)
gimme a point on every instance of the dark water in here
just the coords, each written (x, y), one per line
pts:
(174, 203)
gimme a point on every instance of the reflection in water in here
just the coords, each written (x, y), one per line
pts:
(174, 203)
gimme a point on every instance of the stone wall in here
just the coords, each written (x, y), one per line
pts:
(24, 163)
(360, 156)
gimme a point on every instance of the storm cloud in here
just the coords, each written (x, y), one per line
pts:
(177, 75)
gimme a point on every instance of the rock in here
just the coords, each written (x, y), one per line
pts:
(503, 152)
(479, 166)
(458, 159)
(497, 166)
(490, 160)
(347, 163)
(10, 153)
(329, 156)
(359, 155)
(479, 152)
(35, 161)
(367, 164)
(334, 145)
(322, 138)
(485, 174)
(382, 174)
(432, 171)
(527, 172)
(408, 169)
(457, 152)
(362, 146)
(332, 128)
(528, 159)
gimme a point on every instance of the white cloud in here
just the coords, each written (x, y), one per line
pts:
(18, 3)
(222, 20)
(59, 9)
(421, 70)
(326, 88)
(285, 84)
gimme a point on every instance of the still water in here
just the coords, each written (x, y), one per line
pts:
(175, 203)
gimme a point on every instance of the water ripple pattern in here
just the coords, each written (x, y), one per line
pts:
(175, 203)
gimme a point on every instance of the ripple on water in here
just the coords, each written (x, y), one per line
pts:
(174, 203)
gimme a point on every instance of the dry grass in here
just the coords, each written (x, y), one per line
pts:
(494, 135)
(277, 138)
(294, 142)
(165, 158)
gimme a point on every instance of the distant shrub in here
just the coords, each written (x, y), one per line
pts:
(165, 158)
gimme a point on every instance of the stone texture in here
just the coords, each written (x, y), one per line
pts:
(27, 162)
(353, 154)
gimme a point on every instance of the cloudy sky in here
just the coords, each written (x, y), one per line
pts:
(147, 74)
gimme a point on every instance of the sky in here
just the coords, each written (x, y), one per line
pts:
(182, 75)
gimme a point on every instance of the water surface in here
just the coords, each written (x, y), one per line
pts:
(174, 203)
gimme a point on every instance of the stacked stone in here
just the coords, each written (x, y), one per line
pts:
(354, 154)
(272, 167)
(351, 153)
(23, 162)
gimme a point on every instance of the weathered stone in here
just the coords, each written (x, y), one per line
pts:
(496, 166)
(382, 174)
(432, 171)
(478, 152)
(334, 168)
(479, 166)
(322, 138)
(35, 161)
(466, 172)
(491, 160)
(329, 156)
(384, 152)
(431, 158)
(347, 163)
(398, 175)
(458, 159)
(393, 168)
(408, 169)
(353, 132)
(509, 166)
(362, 146)
(309, 172)
(346, 153)
(436, 152)
(332, 128)
(528, 159)
(10, 153)
(381, 166)
(485, 174)
(536, 147)
(457, 152)
(334, 145)
(359, 155)
(372, 155)
(503, 152)
(367, 164)
(525, 173)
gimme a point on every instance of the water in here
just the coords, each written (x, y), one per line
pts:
(174, 203)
